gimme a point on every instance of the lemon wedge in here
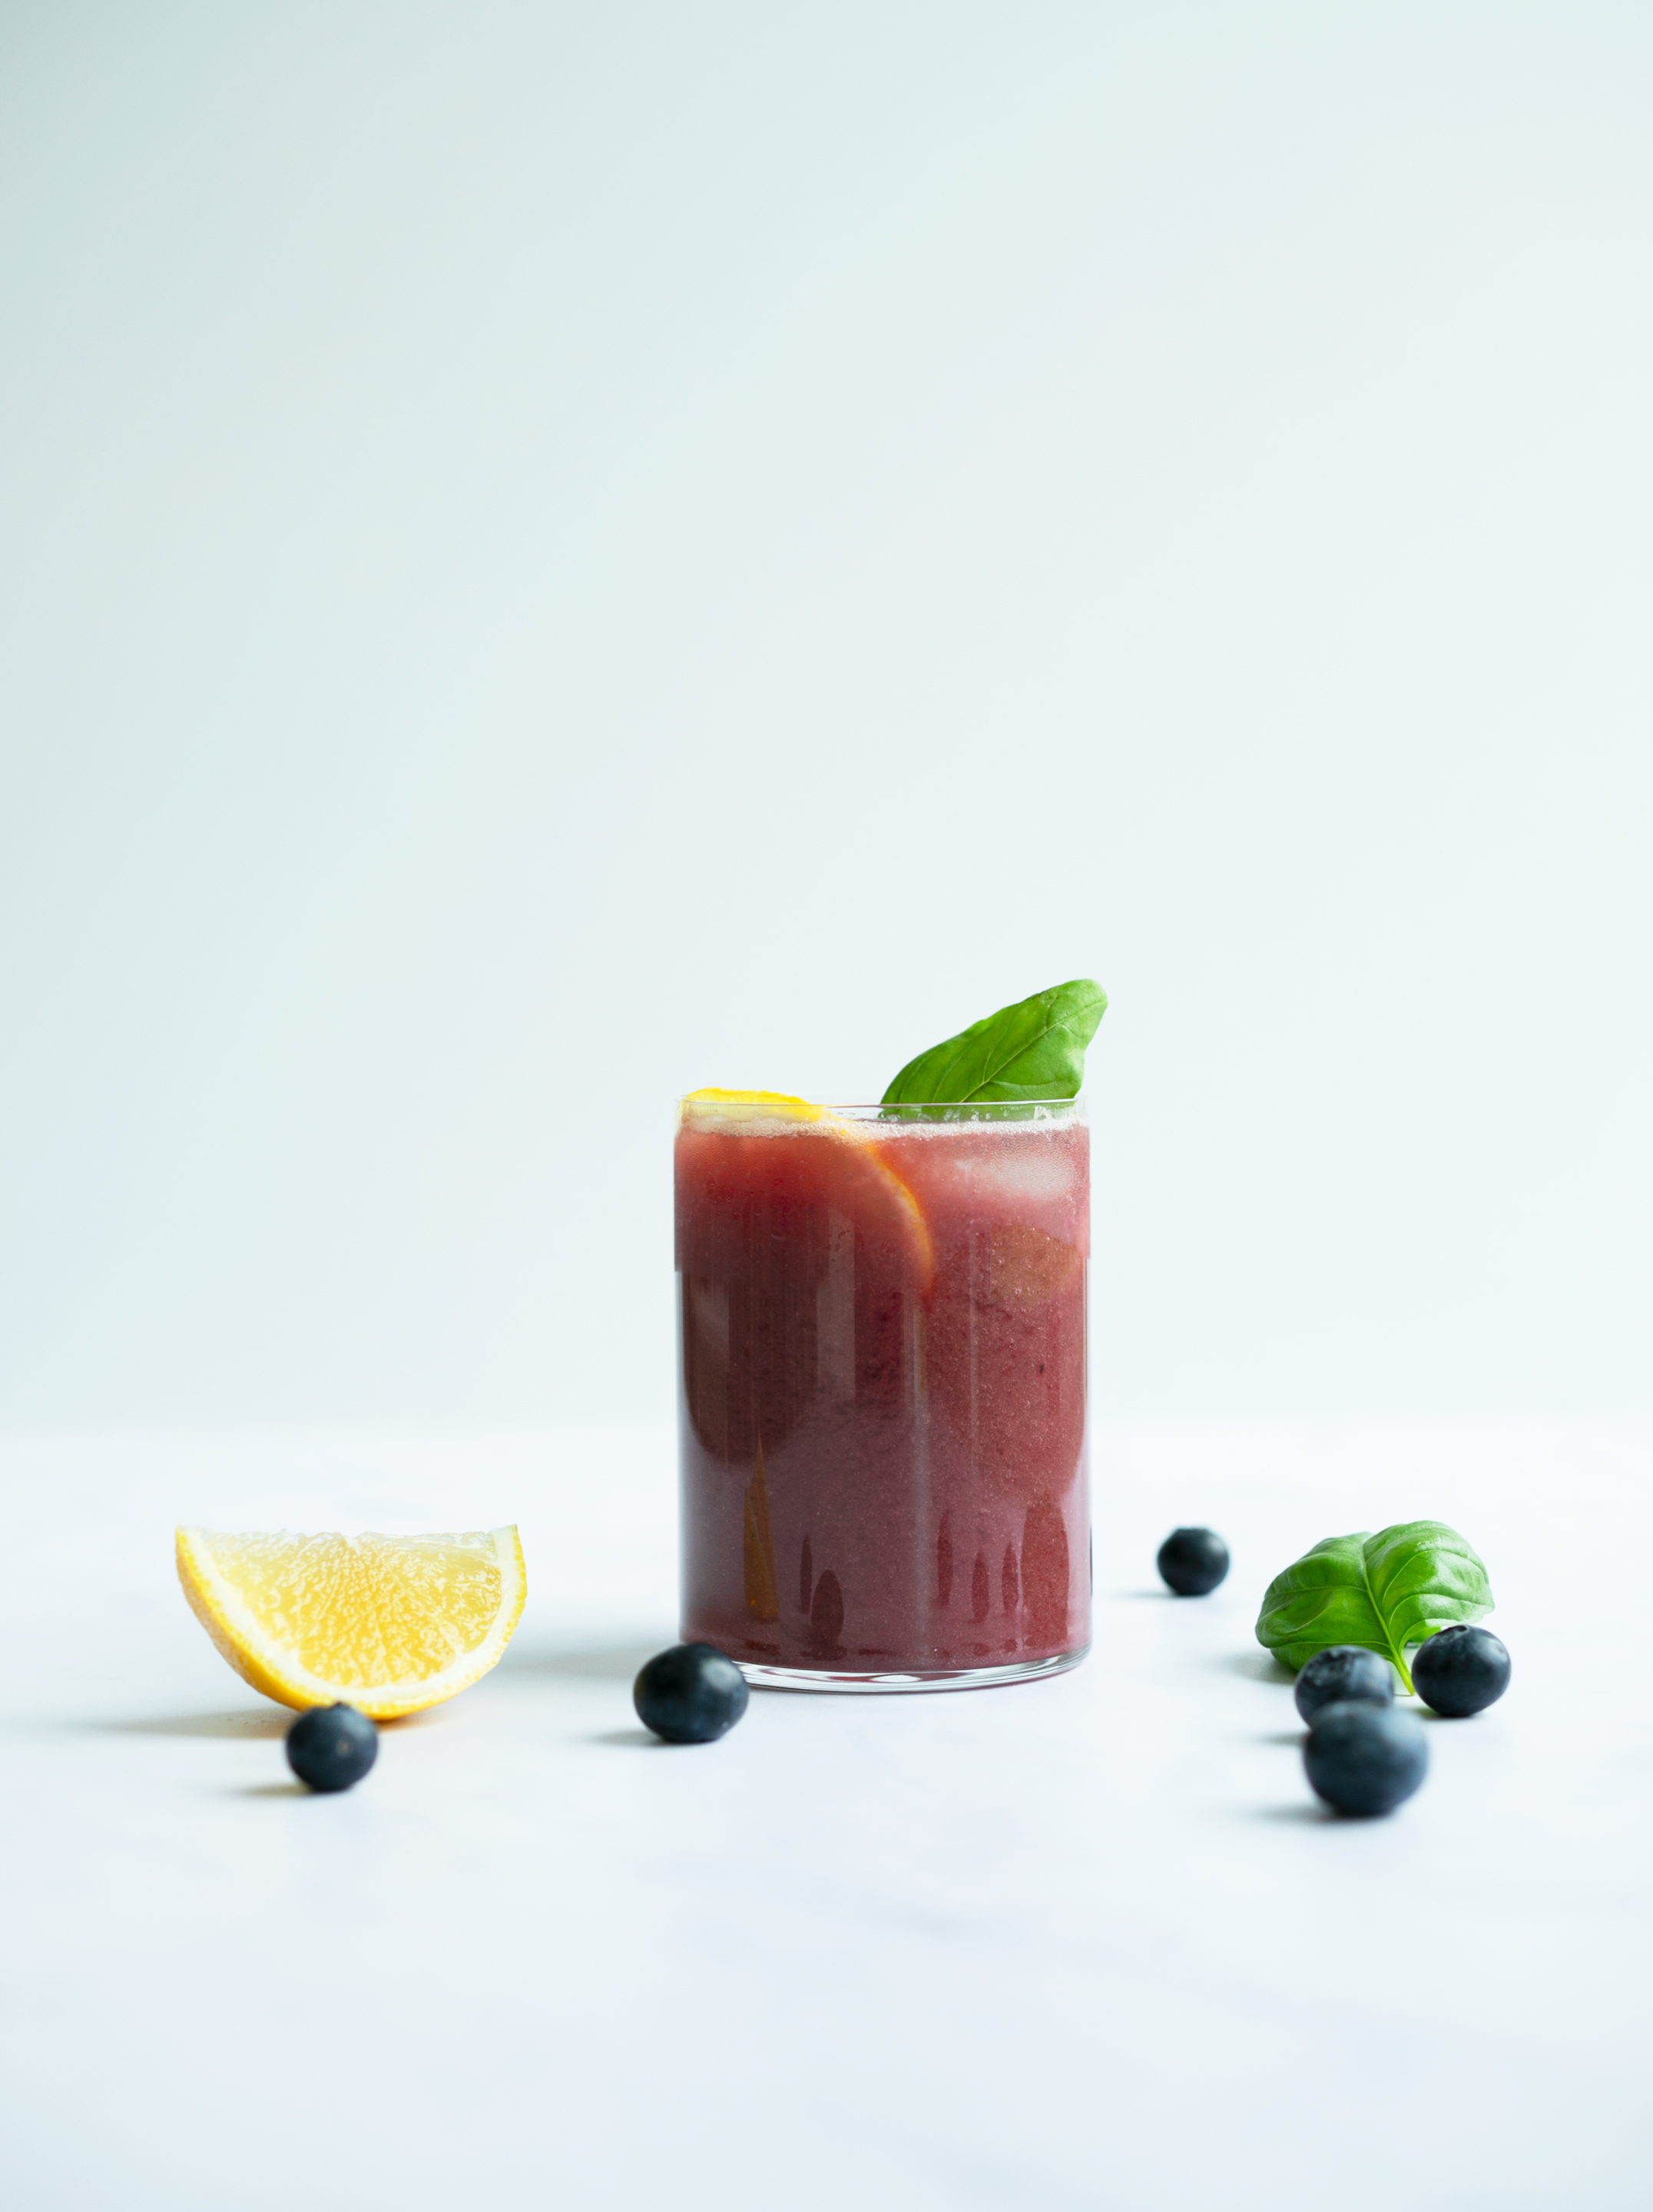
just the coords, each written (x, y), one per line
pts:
(715, 1105)
(388, 1623)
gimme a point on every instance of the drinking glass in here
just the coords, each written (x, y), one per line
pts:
(882, 1342)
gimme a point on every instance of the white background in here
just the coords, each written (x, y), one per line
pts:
(556, 554)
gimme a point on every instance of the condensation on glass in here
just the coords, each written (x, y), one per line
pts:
(882, 1334)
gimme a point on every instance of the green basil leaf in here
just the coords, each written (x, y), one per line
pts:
(1320, 1601)
(1034, 1050)
(1385, 1592)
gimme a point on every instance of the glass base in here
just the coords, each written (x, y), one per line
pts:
(939, 1678)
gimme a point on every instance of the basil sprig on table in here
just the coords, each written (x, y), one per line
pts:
(1034, 1049)
(1384, 1592)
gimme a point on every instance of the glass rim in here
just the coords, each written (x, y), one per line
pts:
(804, 1114)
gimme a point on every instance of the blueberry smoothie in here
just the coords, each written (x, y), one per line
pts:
(882, 1317)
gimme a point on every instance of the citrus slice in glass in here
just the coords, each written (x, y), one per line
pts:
(870, 1185)
(735, 1109)
(388, 1623)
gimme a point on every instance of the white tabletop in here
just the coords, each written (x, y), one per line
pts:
(1086, 1943)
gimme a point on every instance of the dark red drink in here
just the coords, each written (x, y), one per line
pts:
(882, 1326)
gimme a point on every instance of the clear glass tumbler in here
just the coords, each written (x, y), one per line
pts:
(881, 1331)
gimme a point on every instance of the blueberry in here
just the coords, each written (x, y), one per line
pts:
(1192, 1561)
(1345, 1675)
(332, 1746)
(1365, 1758)
(1461, 1671)
(690, 1694)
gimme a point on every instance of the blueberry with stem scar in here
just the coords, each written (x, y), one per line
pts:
(1344, 1673)
(1461, 1671)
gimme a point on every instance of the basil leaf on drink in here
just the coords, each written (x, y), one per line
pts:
(1034, 1049)
(1383, 1592)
